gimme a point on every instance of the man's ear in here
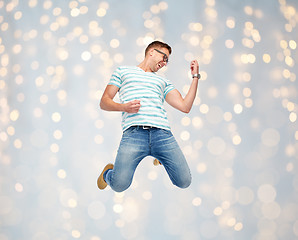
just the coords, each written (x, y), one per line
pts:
(151, 51)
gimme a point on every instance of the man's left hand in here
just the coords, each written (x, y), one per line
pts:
(194, 67)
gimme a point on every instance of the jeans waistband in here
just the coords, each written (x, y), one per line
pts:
(144, 126)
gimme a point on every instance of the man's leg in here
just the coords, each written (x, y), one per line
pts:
(167, 151)
(133, 148)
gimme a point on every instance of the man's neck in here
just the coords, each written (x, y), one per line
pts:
(145, 66)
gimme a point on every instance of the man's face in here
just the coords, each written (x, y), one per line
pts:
(160, 58)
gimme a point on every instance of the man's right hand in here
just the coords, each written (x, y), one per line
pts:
(107, 103)
(132, 106)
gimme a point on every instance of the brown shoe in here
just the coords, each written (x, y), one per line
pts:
(156, 162)
(101, 183)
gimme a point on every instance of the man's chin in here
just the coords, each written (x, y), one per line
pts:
(157, 68)
(154, 69)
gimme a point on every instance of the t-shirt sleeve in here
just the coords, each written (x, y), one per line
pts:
(169, 87)
(116, 78)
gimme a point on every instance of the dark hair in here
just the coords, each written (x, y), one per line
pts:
(158, 44)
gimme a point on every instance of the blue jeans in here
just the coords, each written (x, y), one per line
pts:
(136, 144)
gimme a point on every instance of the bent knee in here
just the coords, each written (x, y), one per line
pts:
(184, 183)
(120, 187)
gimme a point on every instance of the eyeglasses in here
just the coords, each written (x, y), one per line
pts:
(165, 57)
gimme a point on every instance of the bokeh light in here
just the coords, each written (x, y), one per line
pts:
(240, 138)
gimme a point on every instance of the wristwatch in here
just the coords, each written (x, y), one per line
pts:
(196, 75)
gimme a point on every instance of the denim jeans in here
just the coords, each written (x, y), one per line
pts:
(136, 144)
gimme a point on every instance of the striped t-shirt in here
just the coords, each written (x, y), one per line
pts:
(151, 89)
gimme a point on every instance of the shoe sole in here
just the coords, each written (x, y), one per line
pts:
(101, 183)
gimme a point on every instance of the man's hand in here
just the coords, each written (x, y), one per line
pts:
(132, 106)
(194, 67)
(107, 103)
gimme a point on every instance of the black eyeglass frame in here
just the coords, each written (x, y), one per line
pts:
(165, 57)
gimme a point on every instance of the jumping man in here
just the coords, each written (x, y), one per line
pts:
(146, 129)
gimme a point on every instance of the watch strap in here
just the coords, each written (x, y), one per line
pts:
(196, 75)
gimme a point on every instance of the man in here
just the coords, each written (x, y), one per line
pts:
(146, 129)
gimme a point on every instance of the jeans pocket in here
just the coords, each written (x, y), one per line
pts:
(129, 131)
(166, 131)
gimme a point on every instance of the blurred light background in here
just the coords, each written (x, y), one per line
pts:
(240, 139)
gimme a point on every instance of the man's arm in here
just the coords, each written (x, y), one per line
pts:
(174, 97)
(107, 103)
